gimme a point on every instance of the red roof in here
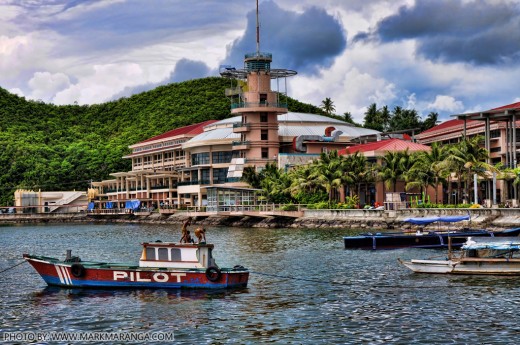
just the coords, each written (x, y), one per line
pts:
(194, 129)
(386, 145)
(509, 106)
(449, 124)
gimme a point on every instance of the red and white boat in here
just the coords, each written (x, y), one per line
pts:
(163, 265)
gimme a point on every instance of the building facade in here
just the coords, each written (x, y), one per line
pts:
(500, 129)
(176, 169)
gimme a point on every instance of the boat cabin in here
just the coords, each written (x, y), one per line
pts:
(491, 247)
(176, 255)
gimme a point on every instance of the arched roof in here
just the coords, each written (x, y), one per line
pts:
(290, 124)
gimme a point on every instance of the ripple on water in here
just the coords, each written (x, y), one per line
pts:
(304, 289)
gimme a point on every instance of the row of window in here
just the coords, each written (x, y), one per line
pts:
(159, 145)
(216, 157)
(219, 175)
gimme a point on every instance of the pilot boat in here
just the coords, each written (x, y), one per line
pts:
(164, 265)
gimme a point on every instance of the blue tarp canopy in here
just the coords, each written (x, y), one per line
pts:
(133, 204)
(429, 220)
(90, 206)
(109, 204)
(496, 243)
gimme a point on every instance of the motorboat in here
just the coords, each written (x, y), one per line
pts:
(478, 256)
(165, 265)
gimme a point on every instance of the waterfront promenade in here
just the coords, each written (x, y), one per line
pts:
(490, 218)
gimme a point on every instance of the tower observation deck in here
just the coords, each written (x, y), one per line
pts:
(259, 105)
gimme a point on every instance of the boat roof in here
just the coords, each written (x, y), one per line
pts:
(497, 243)
(177, 244)
(429, 220)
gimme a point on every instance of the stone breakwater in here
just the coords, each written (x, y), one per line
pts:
(493, 219)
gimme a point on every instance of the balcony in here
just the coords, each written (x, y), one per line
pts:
(262, 105)
(241, 145)
(193, 183)
(239, 127)
(262, 55)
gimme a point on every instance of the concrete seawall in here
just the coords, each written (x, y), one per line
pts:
(493, 219)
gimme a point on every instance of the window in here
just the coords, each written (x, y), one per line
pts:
(204, 174)
(265, 152)
(163, 254)
(150, 253)
(263, 134)
(324, 150)
(494, 133)
(263, 98)
(176, 254)
(221, 157)
(495, 149)
(220, 175)
(200, 158)
(263, 117)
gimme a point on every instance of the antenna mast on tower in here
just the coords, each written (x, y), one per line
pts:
(257, 32)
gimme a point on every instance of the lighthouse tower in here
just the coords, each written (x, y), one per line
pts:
(258, 105)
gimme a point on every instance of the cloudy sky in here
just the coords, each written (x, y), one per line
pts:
(448, 56)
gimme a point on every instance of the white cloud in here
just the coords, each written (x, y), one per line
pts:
(102, 83)
(16, 91)
(45, 85)
(446, 103)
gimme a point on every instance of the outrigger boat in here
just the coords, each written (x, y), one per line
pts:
(478, 256)
(164, 265)
(420, 239)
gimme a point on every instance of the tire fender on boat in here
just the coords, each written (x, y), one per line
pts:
(213, 273)
(77, 270)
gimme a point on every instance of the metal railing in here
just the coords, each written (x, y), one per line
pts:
(258, 105)
(259, 54)
(240, 143)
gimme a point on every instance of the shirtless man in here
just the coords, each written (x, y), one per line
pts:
(184, 238)
(200, 233)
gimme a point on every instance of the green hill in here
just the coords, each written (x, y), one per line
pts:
(49, 147)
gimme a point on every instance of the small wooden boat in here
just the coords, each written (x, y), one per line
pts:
(420, 239)
(164, 265)
(478, 256)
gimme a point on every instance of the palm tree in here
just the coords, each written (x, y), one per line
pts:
(347, 117)
(391, 168)
(251, 177)
(355, 170)
(369, 176)
(328, 171)
(275, 184)
(469, 158)
(303, 184)
(328, 106)
(432, 167)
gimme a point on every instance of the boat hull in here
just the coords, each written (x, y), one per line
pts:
(102, 275)
(467, 267)
(428, 240)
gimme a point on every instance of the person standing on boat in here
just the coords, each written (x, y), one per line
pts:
(200, 232)
(185, 233)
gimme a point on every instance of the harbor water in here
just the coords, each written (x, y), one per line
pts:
(304, 288)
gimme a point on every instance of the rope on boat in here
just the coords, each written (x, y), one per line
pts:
(345, 283)
(7, 269)
(295, 278)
